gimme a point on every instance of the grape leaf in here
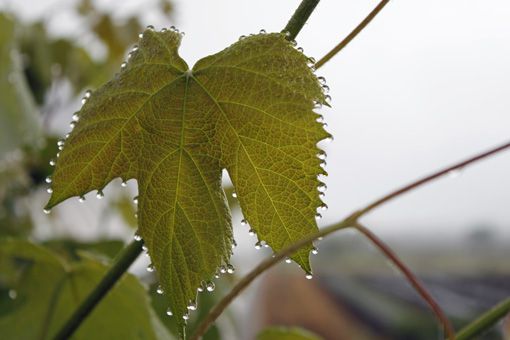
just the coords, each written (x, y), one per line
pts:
(44, 291)
(247, 109)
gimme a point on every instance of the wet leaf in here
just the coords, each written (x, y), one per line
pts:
(247, 109)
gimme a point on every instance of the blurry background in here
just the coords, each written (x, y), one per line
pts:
(425, 85)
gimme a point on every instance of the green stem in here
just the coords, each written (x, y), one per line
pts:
(485, 321)
(299, 18)
(121, 264)
(352, 35)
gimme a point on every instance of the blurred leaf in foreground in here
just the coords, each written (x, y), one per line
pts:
(283, 333)
(43, 291)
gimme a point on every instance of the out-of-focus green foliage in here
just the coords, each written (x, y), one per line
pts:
(39, 291)
(19, 121)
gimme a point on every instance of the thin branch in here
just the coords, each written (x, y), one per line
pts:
(485, 321)
(434, 176)
(351, 220)
(218, 309)
(411, 278)
(352, 35)
(121, 264)
(299, 18)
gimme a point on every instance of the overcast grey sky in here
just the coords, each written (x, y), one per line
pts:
(426, 84)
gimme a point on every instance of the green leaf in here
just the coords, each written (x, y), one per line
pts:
(49, 290)
(247, 109)
(283, 333)
(19, 122)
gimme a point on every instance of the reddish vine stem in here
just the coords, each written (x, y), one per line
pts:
(411, 278)
(351, 220)
(352, 35)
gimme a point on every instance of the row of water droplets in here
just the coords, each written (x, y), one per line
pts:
(205, 286)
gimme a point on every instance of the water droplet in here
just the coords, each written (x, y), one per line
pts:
(58, 154)
(293, 43)
(52, 162)
(49, 190)
(185, 316)
(46, 211)
(169, 312)
(311, 60)
(288, 260)
(325, 88)
(230, 269)
(83, 101)
(12, 294)
(72, 125)
(309, 276)
(258, 245)
(319, 119)
(320, 238)
(234, 194)
(329, 139)
(159, 290)
(318, 216)
(300, 49)
(137, 237)
(210, 286)
(242, 37)
(234, 244)
(123, 66)
(251, 232)
(150, 268)
(327, 98)
(48, 179)
(81, 199)
(123, 184)
(183, 34)
(223, 269)
(173, 29)
(99, 195)
(317, 105)
(140, 36)
(454, 173)
(322, 155)
(287, 33)
(244, 222)
(323, 207)
(192, 305)
(75, 117)
(67, 135)
(322, 80)
(60, 142)
(164, 29)
(135, 48)
(87, 94)
(61, 147)
(262, 31)
(315, 251)
(321, 194)
(217, 275)
(322, 187)
(144, 248)
(150, 27)
(135, 200)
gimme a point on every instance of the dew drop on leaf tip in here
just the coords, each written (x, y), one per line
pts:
(321, 80)
(192, 305)
(318, 216)
(288, 260)
(137, 237)
(300, 49)
(251, 232)
(52, 162)
(315, 251)
(323, 207)
(169, 312)
(72, 125)
(49, 190)
(123, 184)
(135, 200)
(150, 268)
(48, 179)
(75, 117)
(258, 245)
(309, 276)
(185, 316)
(244, 222)
(210, 286)
(262, 31)
(159, 290)
(223, 269)
(99, 195)
(230, 269)
(123, 65)
(46, 211)
(150, 27)
(234, 194)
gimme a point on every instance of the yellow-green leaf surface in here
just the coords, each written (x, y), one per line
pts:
(44, 291)
(247, 109)
(283, 333)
